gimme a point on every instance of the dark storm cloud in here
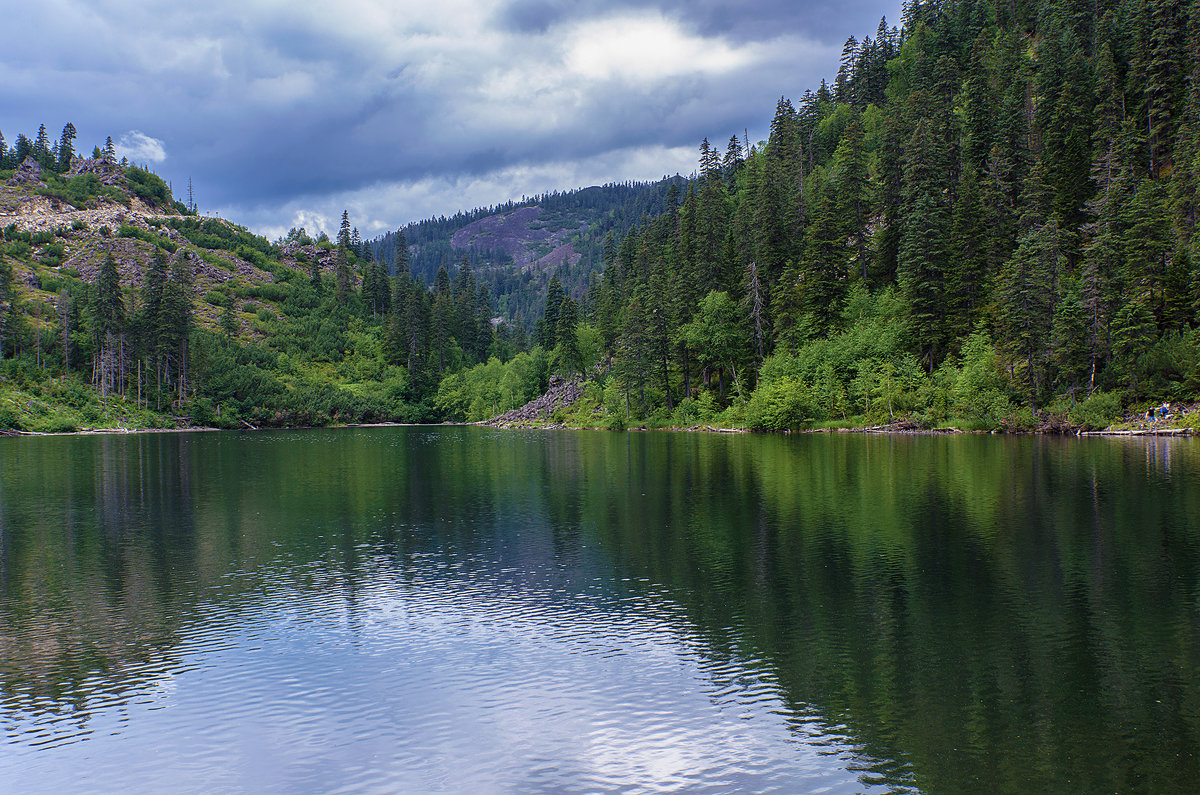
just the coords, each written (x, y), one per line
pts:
(411, 109)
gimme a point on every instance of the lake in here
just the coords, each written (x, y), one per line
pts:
(462, 609)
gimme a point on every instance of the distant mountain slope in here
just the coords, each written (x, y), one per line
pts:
(515, 248)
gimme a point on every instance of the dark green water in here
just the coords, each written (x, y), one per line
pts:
(459, 609)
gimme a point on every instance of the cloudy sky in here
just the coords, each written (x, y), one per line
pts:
(284, 112)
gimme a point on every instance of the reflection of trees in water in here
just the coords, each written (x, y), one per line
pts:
(989, 613)
(96, 528)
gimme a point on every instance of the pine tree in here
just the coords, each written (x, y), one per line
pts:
(1025, 297)
(843, 84)
(108, 327)
(1153, 274)
(66, 148)
(565, 331)
(8, 306)
(66, 314)
(924, 246)
(851, 183)
(442, 320)
(153, 319)
(554, 299)
(400, 256)
(229, 318)
(41, 149)
(1164, 82)
(177, 310)
(978, 107)
(343, 275)
(967, 276)
(1069, 350)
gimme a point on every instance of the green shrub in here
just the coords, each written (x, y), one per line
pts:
(9, 421)
(695, 410)
(1098, 410)
(779, 405)
(56, 423)
(148, 187)
(165, 243)
(17, 249)
(49, 282)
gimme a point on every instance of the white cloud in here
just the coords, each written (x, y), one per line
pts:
(140, 148)
(648, 48)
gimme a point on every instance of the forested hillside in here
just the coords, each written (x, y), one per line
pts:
(988, 220)
(990, 211)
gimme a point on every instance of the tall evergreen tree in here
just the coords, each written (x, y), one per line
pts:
(66, 148)
(108, 327)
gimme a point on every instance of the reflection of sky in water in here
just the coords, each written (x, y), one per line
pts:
(435, 679)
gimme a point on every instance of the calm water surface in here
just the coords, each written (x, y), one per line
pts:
(467, 610)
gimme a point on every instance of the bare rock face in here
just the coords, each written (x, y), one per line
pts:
(523, 236)
(29, 173)
(561, 392)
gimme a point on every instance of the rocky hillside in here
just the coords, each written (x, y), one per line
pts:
(526, 235)
(53, 234)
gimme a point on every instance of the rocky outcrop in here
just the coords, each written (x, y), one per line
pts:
(28, 174)
(107, 172)
(561, 393)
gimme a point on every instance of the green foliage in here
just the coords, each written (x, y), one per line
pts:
(9, 420)
(991, 211)
(779, 404)
(148, 187)
(490, 389)
(165, 243)
(979, 391)
(1097, 411)
(81, 191)
(217, 234)
(693, 411)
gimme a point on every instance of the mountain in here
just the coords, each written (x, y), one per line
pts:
(516, 247)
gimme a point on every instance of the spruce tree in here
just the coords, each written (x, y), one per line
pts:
(66, 148)
(554, 299)
(1025, 298)
(343, 237)
(108, 326)
(924, 245)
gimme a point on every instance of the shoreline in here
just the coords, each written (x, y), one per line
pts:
(888, 430)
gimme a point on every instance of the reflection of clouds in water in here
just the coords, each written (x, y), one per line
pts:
(450, 675)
